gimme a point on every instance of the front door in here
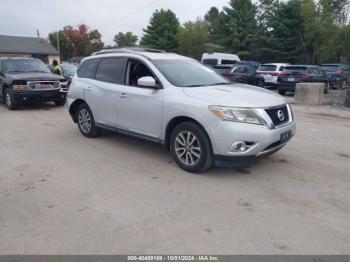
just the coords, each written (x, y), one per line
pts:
(140, 108)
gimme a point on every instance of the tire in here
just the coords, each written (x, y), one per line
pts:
(282, 92)
(191, 148)
(60, 102)
(343, 84)
(10, 101)
(86, 122)
(261, 83)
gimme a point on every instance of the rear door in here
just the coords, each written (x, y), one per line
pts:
(102, 94)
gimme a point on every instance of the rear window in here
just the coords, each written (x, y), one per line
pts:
(111, 70)
(210, 62)
(295, 68)
(88, 68)
(228, 62)
(267, 68)
(330, 68)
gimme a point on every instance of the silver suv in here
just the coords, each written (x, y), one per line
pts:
(174, 100)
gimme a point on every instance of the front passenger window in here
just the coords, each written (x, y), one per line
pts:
(137, 70)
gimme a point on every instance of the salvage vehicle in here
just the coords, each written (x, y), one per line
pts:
(292, 75)
(29, 79)
(201, 117)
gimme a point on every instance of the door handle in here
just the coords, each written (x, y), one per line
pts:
(123, 95)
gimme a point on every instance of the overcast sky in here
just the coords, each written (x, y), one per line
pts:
(24, 17)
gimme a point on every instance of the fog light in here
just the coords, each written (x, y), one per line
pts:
(239, 147)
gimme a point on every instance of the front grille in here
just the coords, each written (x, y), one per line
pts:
(43, 85)
(278, 115)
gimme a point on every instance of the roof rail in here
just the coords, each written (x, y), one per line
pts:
(128, 50)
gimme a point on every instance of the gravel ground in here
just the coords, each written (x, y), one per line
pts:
(62, 193)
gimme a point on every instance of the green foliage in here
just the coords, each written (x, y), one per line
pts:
(127, 39)
(192, 38)
(161, 33)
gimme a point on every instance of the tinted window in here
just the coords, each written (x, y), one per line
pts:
(281, 68)
(267, 68)
(228, 62)
(88, 68)
(210, 61)
(330, 68)
(296, 68)
(111, 70)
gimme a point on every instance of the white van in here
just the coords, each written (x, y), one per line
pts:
(213, 59)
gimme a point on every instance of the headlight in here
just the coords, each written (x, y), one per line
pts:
(241, 115)
(17, 87)
(63, 83)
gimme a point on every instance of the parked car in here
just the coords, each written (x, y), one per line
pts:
(212, 59)
(292, 75)
(69, 71)
(271, 72)
(339, 75)
(241, 74)
(29, 79)
(174, 100)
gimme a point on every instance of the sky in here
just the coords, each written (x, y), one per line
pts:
(25, 17)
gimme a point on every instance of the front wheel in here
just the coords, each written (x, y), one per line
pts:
(282, 92)
(86, 122)
(343, 84)
(61, 101)
(261, 83)
(10, 101)
(191, 148)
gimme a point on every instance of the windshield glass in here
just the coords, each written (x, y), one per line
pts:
(69, 69)
(267, 68)
(188, 73)
(24, 66)
(330, 68)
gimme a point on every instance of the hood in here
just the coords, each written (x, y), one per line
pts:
(31, 76)
(236, 95)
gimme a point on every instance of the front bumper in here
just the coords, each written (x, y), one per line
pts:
(262, 141)
(38, 96)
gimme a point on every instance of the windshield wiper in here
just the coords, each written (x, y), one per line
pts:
(221, 83)
(194, 86)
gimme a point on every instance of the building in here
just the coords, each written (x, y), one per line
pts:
(28, 47)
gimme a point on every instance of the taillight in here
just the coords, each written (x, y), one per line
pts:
(305, 76)
(275, 74)
(339, 72)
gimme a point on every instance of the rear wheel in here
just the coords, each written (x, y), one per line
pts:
(261, 83)
(86, 122)
(10, 101)
(60, 102)
(191, 148)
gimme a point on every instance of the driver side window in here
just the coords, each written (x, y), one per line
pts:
(135, 71)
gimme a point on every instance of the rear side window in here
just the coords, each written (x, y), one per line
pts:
(88, 68)
(111, 70)
(296, 68)
(211, 62)
(267, 68)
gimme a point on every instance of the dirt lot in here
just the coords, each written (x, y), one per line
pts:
(63, 193)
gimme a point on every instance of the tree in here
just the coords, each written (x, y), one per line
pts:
(161, 33)
(192, 38)
(287, 35)
(240, 27)
(66, 49)
(127, 39)
(211, 18)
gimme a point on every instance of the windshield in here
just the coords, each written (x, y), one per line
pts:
(330, 68)
(188, 73)
(69, 69)
(24, 66)
(267, 68)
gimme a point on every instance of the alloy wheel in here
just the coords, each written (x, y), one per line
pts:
(188, 148)
(8, 100)
(85, 120)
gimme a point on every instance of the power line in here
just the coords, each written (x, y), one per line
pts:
(131, 13)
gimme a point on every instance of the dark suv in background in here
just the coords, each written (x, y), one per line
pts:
(294, 74)
(339, 75)
(29, 79)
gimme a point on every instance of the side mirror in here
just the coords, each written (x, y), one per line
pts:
(147, 81)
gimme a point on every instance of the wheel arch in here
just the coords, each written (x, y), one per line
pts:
(175, 122)
(74, 107)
